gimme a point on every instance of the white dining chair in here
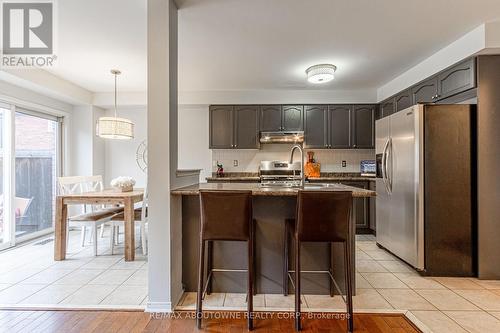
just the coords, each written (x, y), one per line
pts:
(91, 216)
(141, 216)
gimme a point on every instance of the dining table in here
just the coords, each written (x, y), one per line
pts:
(105, 197)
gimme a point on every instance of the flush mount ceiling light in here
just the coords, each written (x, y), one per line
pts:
(114, 127)
(321, 73)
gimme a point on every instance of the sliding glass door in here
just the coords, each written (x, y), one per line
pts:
(36, 169)
(31, 159)
(5, 225)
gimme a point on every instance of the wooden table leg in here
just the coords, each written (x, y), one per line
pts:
(129, 230)
(60, 230)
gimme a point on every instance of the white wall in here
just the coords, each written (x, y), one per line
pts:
(193, 139)
(120, 155)
(80, 142)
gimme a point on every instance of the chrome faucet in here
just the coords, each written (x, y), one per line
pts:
(299, 147)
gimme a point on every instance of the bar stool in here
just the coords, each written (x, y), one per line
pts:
(225, 216)
(322, 216)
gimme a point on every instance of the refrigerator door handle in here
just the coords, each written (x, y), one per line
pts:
(384, 166)
(389, 154)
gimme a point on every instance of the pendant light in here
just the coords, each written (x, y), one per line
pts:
(114, 127)
(321, 73)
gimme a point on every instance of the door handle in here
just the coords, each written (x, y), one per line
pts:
(389, 154)
(384, 166)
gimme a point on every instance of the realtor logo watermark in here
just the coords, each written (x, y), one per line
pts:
(28, 34)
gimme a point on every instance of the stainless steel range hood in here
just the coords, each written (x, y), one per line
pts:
(282, 137)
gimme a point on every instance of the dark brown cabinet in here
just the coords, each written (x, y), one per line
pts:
(246, 128)
(234, 127)
(457, 79)
(453, 85)
(281, 118)
(340, 126)
(372, 208)
(387, 107)
(403, 100)
(316, 126)
(293, 118)
(364, 126)
(221, 127)
(425, 92)
(361, 211)
(270, 118)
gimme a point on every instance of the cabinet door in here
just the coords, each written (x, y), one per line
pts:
(373, 208)
(246, 126)
(316, 126)
(270, 118)
(364, 126)
(457, 79)
(340, 126)
(387, 107)
(293, 118)
(360, 207)
(425, 92)
(221, 127)
(403, 100)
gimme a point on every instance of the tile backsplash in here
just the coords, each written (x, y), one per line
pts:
(249, 160)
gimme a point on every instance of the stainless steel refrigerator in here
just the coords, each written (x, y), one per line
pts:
(425, 187)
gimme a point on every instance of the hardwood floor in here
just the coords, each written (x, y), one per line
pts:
(120, 321)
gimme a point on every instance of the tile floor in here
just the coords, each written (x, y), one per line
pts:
(386, 284)
(29, 277)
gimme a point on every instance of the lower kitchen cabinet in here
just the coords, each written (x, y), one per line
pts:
(361, 208)
(372, 203)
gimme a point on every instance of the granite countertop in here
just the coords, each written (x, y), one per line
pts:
(325, 176)
(269, 191)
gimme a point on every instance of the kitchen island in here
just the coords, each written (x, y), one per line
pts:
(271, 206)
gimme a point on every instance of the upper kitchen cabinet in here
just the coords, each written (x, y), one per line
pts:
(293, 118)
(316, 126)
(403, 100)
(457, 79)
(425, 92)
(234, 127)
(340, 126)
(387, 107)
(364, 126)
(221, 127)
(270, 118)
(246, 128)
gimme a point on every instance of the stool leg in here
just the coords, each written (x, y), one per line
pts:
(298, 325)
(348, 283)
(254, 237)
(199, 313)
(285, 261)
(250, 280)
(210, 256)
(332, 286)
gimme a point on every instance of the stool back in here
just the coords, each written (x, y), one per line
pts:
(225, 215)
(323, 216)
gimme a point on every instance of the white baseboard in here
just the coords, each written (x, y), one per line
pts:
(156, 307)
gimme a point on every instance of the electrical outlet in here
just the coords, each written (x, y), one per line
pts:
(235, 163)
(344, 164)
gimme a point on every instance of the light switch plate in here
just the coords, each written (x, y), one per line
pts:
(344, 164)
(235, 163)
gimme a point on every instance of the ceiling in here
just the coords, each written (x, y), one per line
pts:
(262, 44)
